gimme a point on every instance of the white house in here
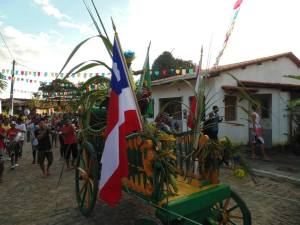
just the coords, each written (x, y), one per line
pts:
(262, 77)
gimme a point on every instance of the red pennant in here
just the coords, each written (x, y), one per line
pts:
(165, 72)
(237, 4)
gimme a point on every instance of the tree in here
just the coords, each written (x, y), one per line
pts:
(167, 61)
(164, 61)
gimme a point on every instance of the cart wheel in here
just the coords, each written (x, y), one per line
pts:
(86, 178)
(232, 210)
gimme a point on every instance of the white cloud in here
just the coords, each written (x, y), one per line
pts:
(262, 28)
(45, 52)
(51, 10)
(63, 19)
(82, 28)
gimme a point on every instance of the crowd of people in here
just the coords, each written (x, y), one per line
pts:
(44, 133)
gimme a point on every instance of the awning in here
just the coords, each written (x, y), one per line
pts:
(237, 89)
(281, 86)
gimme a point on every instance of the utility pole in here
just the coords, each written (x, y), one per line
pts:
(11, 101)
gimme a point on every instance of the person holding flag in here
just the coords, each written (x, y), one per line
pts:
(123, 118)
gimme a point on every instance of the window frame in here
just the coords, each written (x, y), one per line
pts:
(230, 116)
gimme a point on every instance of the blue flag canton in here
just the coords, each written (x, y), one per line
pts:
(119, 79)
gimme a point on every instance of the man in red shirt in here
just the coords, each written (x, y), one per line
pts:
(14, 144)
(70, 142)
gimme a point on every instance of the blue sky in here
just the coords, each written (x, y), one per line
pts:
(42, 33)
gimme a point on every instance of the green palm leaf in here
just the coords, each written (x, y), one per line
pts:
(297, 77)
(74, 51)
(86, 67)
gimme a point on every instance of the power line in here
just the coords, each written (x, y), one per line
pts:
(26, 66)
(6, 45)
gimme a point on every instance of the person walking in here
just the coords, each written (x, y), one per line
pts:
(257, 133)
(34, 141)
(2, 136)
(54, 124)
(14, 137)
(69, 133)
(28, 122)
(44, 148)
(62, 147)
(22, 127)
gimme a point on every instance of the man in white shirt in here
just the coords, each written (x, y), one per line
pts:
(21, 126)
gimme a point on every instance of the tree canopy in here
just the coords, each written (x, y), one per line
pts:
(167, 61)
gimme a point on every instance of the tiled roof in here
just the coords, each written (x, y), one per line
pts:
(219, 69)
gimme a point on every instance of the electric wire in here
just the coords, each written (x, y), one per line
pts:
(5, 43)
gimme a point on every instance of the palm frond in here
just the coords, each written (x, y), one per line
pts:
(105, 40)
(297, 77)
(74, 51)
(81, 67)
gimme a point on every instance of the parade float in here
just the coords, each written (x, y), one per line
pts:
(176, 173)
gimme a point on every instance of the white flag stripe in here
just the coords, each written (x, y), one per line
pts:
(110, 156)
(126, 103)
(111, 148)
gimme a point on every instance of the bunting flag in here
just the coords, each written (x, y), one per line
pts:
(237, 4)
(236, 9)
(145, 84)
(145, 79)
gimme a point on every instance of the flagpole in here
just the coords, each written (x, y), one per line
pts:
(127, 72)
(144, 69)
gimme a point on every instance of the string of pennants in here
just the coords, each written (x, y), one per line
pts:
(23, 76)
(48, 74)
(23, 91)
(159, 74)
(236, 10)
(33, 76)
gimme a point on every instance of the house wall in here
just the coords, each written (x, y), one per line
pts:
(270, 71)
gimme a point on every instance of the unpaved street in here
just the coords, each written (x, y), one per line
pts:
(27, 198)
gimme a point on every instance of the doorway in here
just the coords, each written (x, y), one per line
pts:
(265, 101)
(172, 106)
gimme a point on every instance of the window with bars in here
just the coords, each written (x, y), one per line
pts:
(230, 102)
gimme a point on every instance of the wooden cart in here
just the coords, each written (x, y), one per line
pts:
(196, 201)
